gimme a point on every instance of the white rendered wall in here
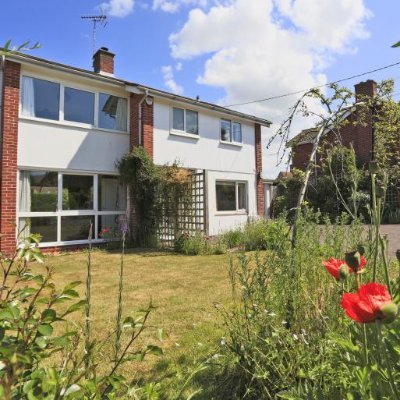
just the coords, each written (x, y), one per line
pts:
(206, 151)
(46, 145)
(218, 221)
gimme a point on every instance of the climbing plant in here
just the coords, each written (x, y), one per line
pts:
(154, 192)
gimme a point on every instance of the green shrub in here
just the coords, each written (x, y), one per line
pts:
(233, 238)
(191, 245)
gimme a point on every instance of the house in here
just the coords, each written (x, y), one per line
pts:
(64, 128)
(357, 135)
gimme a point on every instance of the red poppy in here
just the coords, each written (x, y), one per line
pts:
(334, 267)
(371, 302)
(105, 230)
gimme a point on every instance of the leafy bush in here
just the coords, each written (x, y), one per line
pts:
(34, 330)
(191, 245)
(232, 238)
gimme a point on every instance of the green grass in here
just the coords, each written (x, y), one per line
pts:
(184, 290)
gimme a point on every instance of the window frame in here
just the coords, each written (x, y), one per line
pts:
(59, 213)
(61, 120)
(237, 210)
(184, 131)
(231, 123)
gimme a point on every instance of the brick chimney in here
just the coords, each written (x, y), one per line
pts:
(103, 62)
(367, 88)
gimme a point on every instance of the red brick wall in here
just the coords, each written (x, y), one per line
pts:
(260, 185)
(8, 182)
(147, 124)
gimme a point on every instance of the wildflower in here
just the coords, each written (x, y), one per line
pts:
(337, 268)
(105, 230)
(355, 261)
(340, 269)
(372, 302)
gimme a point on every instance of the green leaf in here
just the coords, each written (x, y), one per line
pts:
(76, 306)
(72, 285)
(41, 342)
(155, 350)
(49, 315)
(396, 44)
(45, 329)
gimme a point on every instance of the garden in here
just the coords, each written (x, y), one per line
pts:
(304, 306)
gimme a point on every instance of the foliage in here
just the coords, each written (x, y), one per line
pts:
(41, 355)
(232, 238)
(156, 192)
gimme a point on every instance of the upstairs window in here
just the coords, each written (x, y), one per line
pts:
(78, 106)
(231, 131)
(231, 196)
(112, 112)
(185, 120)
(40, 98)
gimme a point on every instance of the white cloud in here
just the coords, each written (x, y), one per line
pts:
(118, 8)
(173, 6)
(261, 48)
(169, 81)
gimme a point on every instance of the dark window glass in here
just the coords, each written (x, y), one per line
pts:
(225, 130)
(192, 124)
(77, 192)
(178, 119)
(112, 195)
(38, 191)
(226, 196)
(40, 98)
(112, 112)
(75, 228)
(46, 227)
(78, 106)
(236, 132)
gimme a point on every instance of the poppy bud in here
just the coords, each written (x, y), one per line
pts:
(373, 167)
(353, 260)
(344, 272)
(390, 311)
(361, 249)
(398, 255)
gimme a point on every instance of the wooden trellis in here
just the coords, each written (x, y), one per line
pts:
(187, 215)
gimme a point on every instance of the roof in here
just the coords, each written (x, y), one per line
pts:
(308, 135)
(133, 86)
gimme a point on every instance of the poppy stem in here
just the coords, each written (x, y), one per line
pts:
(365, 350)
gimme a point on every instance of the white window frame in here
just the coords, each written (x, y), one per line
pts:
(184, 132)
(61, 120)
(231, 141)
(237, 209)
(95, 212)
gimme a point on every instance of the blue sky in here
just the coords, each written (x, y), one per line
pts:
(225, 51)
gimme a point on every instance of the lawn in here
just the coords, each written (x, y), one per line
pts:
(184, 290)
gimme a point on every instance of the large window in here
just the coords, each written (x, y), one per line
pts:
(231, 131)
(78, 106)
(62, 206)
(231, 196)
(112, 112)
(41, 99)
(185, 120)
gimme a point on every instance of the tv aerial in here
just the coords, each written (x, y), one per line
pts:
(96, 19)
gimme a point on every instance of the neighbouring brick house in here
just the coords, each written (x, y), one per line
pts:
(357, 135)
(63, 129)
(351, 133)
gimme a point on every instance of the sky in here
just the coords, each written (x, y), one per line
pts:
(224, 51)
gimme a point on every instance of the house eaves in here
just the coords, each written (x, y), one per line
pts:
(131, 86)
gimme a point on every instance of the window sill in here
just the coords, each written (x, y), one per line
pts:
(70, 124)
(230, 213)
(184, 134)
(236, 144)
